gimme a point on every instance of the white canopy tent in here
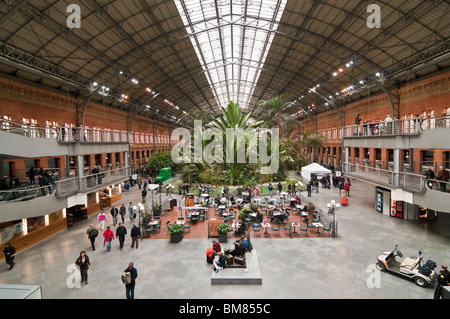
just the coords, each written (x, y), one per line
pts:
(314, 168)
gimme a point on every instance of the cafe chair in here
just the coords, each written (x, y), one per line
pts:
(288, 228)
(202, 216)
(327, 229)
(256, 229)
(148, 232)
(187, 227)
(305, 229)
(157, 227)
(311, 226)
(276, 229)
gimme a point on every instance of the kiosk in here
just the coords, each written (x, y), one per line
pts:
(190, 199)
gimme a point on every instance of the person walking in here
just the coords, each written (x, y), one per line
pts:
(121, 232)
(122, 212)
(102, 219)
(442, 176)
(308, 188)
(129, 279)
(347, 186)
(108, 235)
(83, 264)
(135, 234)
(443, 279)
(114, 214)
(92, 233)
(9, 252)
(270, 189)
(131, 211)
(144, 196)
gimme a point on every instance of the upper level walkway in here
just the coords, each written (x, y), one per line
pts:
(408, 126)
(430, 193)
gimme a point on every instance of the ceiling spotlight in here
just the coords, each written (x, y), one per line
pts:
(341, 70)
(335, 73)
(149, 90)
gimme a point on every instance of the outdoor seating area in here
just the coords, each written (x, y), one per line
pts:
(261, 217)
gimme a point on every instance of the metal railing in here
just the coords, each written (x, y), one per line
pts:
(406, 180)
(437, 185)
(70, 186)
(28, 130)
(91, 135)
(26, 193)
(409, 126)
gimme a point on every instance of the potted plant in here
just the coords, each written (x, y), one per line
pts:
(223, 230)
(243, 213)
(176, 232)
(156, 210)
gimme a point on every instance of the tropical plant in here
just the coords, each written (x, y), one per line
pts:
(223, 228)
(313, 140)
(175, 229)
(233, 118)
(161, 160)
(275, 111)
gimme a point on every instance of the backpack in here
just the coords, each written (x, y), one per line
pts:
(93, 233)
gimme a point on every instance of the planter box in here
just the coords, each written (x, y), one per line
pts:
(223, 238)
(176, 238)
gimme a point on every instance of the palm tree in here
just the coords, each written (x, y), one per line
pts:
(313, 140)
(275, 111)
(233, 118)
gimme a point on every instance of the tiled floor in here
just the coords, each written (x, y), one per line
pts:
(311, 268)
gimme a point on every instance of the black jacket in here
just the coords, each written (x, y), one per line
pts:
(135, 231)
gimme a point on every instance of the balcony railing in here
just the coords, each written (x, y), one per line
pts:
(78, 134)
(70, 186)
(406, 180)
(26, 193)
(410, 126)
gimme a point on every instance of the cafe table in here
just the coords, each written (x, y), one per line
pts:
(152, 224)
(266, 226)
(317, 225)
(294, 224)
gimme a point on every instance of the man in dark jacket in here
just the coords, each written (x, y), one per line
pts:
(9, 252)
(130, 282)
(443, 279)
(135, 233)
(121, 231)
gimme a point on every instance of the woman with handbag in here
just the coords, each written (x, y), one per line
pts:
(83, 263)
(109, 236)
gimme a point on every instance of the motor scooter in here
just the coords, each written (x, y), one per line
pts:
(412, 267)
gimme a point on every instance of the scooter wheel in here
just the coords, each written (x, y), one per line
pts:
(381, 266)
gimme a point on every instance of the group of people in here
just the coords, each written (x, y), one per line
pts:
(442, 177)
(338, 181)
(377, 126)
(83, 262)
(128, 277)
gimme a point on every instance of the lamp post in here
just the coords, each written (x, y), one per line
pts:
(299, 187)
(332, 207)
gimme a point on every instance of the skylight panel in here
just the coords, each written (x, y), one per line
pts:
(231, 39)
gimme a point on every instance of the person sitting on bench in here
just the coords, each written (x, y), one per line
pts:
(220, 263)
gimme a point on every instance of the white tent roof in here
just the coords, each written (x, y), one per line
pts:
(313, 168)
(316, 168)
